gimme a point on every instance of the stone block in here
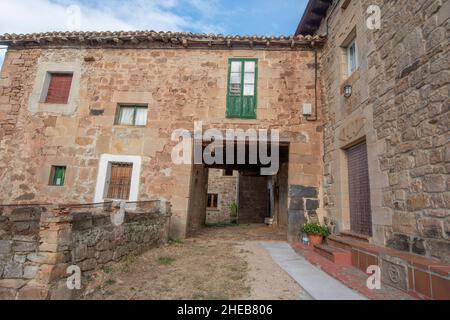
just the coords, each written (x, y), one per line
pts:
(33, 291)
(312, 204)
(5, 246)
(22, 246)
(394, 274)
(30, 271)
(13, 270)
(431, 228)
(399, 242)
(434, 183)
(296, 218)
(302, 191)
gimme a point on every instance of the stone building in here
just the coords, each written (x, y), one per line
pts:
(86, 117)
(222, 193)
(385, 76)
(360, 96)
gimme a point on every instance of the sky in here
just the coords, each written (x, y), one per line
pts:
(243, 17)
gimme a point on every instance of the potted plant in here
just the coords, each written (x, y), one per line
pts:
(315, 232)
(233, 213)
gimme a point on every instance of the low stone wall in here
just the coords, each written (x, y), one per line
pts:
(19, 240)
(39, 244)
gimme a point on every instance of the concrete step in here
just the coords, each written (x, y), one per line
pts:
(334, 254)
(355, 236)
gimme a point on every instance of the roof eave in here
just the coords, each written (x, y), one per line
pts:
(315, 12)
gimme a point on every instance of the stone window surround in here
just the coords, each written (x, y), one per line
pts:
(105, 160)
(345, 67)
(41, 83)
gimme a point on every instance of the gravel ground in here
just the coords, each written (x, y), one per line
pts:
(217, 263)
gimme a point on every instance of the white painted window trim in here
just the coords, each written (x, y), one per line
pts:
(349, 71)
(105, 160)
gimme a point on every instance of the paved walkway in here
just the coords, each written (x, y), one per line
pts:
(318, 284)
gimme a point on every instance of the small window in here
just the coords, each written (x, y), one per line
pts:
(57, 176)
(132, 115)
(119, 183)
(352, 58)
(228, 173)
(59, 85)
(213, 200)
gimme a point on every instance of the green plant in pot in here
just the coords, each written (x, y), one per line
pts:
(233, 213)
(316, 232)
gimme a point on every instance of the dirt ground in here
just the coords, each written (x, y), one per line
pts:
(218, 263)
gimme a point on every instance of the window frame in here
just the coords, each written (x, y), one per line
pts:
(102, 176)
(108, 185)
(348, 49)
(135, 107)
(255, 95)
(214, 200)
(46, 88)
(53, 176)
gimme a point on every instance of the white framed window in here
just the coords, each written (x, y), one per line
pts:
(126, 187)
(352, 57)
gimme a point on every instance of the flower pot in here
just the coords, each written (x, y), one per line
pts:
(315, 239)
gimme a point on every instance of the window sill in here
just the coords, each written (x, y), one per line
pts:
(129, 126)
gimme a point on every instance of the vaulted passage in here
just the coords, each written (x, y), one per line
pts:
(238, 193)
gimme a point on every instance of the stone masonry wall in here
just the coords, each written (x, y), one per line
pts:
(400, 106)
(253, 199)
(19, 240)
(89, 237)
(226, 188)
(180, 86)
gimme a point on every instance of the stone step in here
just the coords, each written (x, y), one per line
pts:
(340, 242)
(334, 254)
(355, 236)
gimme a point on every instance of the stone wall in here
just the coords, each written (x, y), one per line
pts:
(253, 199)
(19, 240)
(180, 86)
(400, 106)
(226, 188)
(35, 262)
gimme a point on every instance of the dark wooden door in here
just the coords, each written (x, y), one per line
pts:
(359, 190)
(120, 181)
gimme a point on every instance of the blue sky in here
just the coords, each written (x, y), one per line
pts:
(244, 17)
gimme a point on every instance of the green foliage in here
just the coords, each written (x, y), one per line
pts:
(315, 228)
(166, 261)
(233, 210)
(176, 242)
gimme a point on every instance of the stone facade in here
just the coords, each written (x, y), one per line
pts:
(180, 86)
(400, 107)
(226, 187)
(38, 244)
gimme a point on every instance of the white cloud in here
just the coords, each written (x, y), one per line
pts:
(29, 16)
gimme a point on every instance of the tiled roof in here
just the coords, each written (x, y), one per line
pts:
(160, 39)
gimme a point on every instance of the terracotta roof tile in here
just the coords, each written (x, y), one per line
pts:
(183, 39)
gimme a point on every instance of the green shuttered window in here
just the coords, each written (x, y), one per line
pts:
(242, 88)
(57, 176)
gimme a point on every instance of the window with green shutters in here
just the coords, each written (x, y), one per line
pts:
(242, 88)
(58, 176)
